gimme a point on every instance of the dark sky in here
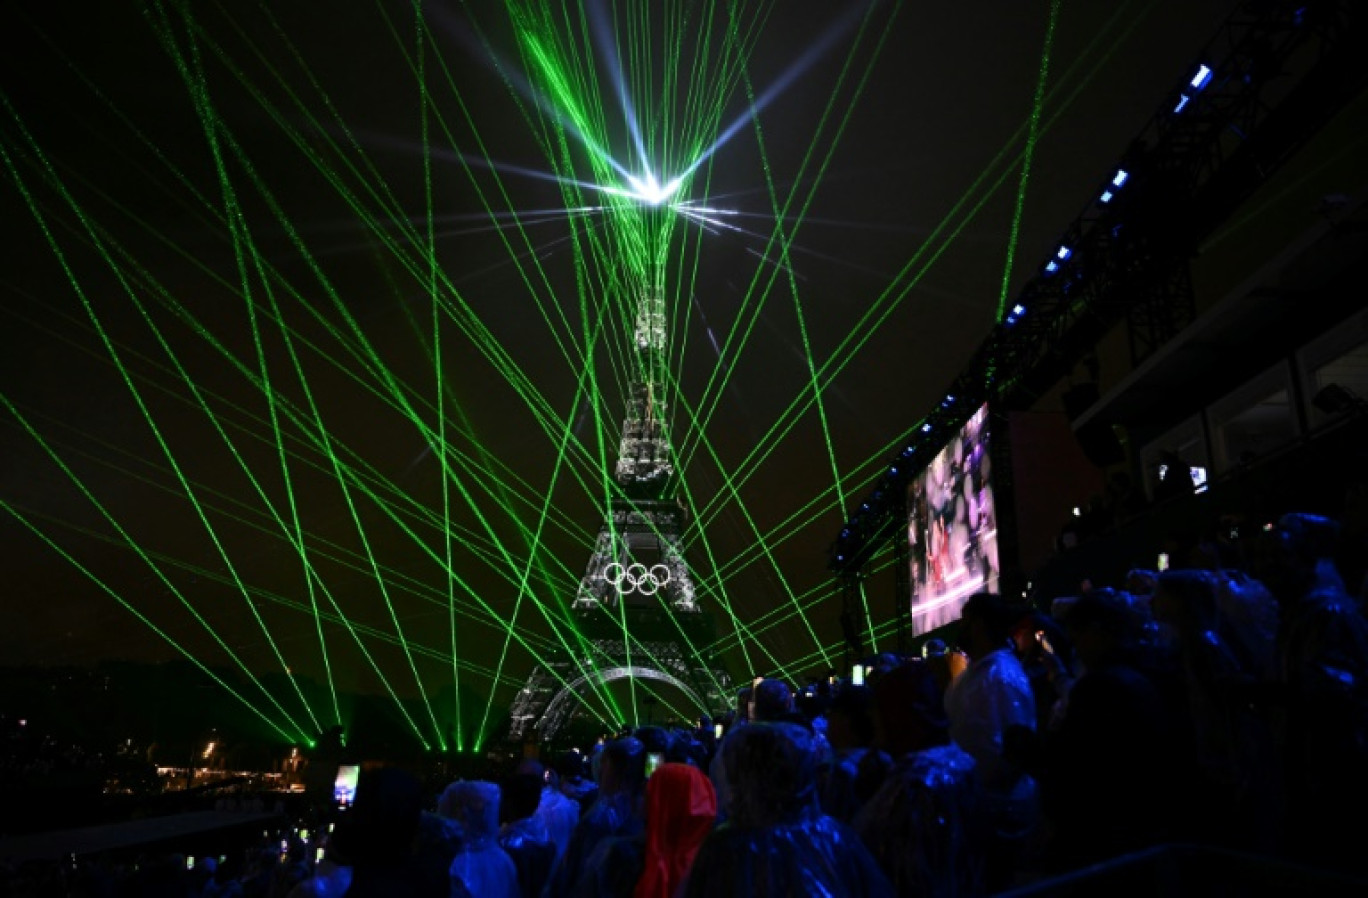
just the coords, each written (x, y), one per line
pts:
(143, 269)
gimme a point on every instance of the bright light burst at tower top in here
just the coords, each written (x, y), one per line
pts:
(651, 192)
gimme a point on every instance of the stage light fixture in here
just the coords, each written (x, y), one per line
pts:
(1183, 100)
(1051, 266)
(926, 428)
(1119, 179)
(1018, 309)
(1106, 197)
(1063, 253)
(1202, 78)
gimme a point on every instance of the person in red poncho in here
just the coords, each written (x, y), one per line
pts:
(681, 808)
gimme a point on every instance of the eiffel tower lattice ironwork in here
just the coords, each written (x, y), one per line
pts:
(635, 608)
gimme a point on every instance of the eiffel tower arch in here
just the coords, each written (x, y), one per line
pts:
(659, 651)
(562, 706)
(636, 611)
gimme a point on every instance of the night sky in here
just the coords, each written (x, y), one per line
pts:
(132, 364)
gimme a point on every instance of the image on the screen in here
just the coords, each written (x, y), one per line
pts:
(344, 789)
(952, 528)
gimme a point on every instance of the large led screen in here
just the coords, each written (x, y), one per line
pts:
(952, 528)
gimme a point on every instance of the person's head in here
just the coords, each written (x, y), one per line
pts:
(521, 794)
(675, 794)
(1103, 628)
(569, 765)
(474, 807)
(654, 739)
(1141, 582)
(910, 712)
(850, 718)
(772, 769)
(884, 662)
(1290, 558)
(1170, 460)
(687, 748)
(1185, 600)
(773, 700)
(986, 623)
(622, 767)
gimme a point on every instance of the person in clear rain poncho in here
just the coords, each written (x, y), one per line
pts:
(480, 865)
(924, 825)
(776, 842)
(524, 836)
(617, 812)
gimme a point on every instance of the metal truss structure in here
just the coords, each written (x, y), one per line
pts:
(1273, 75)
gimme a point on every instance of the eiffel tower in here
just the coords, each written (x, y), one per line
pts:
(635, 608)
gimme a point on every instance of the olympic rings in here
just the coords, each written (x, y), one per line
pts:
(636, 577)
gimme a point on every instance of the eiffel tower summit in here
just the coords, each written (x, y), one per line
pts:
(636, 608)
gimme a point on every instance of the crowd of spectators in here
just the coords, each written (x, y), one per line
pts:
(1225, 705)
